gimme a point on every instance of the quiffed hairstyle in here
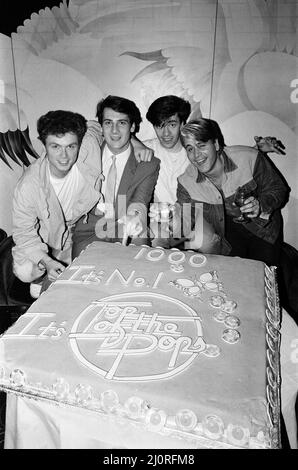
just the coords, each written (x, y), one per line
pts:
(166, 106)
(120, 105)
(59, 123)
(203, 130)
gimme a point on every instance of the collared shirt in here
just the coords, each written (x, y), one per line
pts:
(172, 165)
(121, 160)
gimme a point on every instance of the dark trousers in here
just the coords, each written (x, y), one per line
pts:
(247, 245)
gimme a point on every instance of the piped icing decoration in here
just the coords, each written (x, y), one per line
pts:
(273, 332)
(271, 376)
(231, 336)
(18, 378)
(237, 435)
(83, 394)
(212, 350)
(186, 420)
(109, 400)
(220, 316)
(136, 407)
(229, 306)
(232, 322)
(197, 260)
(189, 287)
(61, 388)
(155, 419)
(216, 301)
(177, 268)
(213, 427)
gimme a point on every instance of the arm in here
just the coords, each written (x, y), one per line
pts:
(142, 153)
(29, 248)
(269, 144)
(273, 192)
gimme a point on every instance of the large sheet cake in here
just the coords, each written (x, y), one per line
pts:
(173, 342)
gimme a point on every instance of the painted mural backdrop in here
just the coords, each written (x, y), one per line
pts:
(234, 61)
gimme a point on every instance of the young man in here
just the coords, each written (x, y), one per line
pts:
(53, 193)
(167, 114)
(128, 185)
(211, 181)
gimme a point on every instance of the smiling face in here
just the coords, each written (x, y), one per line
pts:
(117, 130)
(62, 153)
(168, 133)
(203, 155)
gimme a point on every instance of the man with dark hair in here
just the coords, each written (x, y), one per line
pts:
(53, 193)
(167, 114)
(128, 185)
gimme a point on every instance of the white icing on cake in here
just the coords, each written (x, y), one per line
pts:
(122, 333)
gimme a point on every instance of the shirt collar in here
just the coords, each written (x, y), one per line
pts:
(123, 155)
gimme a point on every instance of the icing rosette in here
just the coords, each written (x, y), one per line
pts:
(136, 407)
(109, 400)
(220, 316)
(232, 322)
(231, 336)
(186, 420)
(83, 394)
(213, 427)
(237, 435)
(216, 301)
(212, 350)
(229, 306)
(177, 268)
(61, 388)
(155, 419)
(18, 378)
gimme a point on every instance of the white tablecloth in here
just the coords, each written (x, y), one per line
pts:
(36, 424)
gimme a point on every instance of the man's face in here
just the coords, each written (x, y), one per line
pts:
(203, 155)
(116, 129)
(168, 133)
(62, 153)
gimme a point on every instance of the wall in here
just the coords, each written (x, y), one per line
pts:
(235, 61)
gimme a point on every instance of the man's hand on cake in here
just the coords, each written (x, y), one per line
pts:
(132, 226)
(270, 144)
(251, 207)
(54, 268)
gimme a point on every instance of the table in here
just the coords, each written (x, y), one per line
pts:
(34, 424)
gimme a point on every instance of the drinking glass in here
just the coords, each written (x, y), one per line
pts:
(240, 196)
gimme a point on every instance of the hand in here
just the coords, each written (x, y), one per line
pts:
(270, 144)
(54, 268)
(251, 207)
(132, 226)
(144, 154)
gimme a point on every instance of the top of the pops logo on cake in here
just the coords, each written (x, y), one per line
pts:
(138, 336)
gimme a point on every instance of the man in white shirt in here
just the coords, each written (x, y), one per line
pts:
(167, 114)
(53, 193)
(128, 185)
